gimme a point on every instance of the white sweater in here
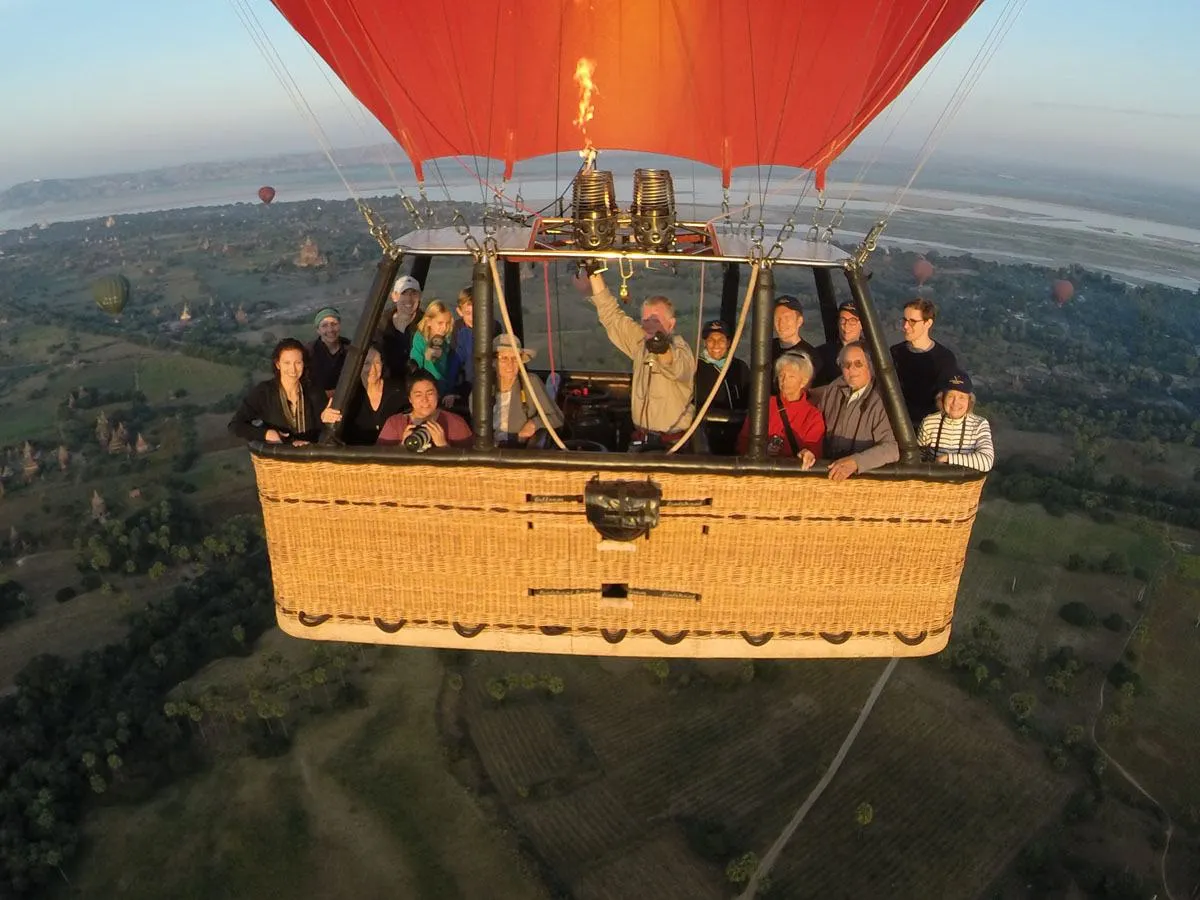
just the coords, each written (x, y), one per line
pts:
(966, 441)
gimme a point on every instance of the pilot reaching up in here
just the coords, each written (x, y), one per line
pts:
(664, 367)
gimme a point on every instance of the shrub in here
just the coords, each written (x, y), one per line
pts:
(1114, 564)
(987, 545)
(1077, 613)
(63, 594)
(1114, 622)
(1121, 673)
(1022, 705)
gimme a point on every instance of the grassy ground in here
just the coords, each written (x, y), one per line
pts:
(1159, 742)
(953, 793)
(1024, 531)
(89, 621)
(361, 807)
(1021, 587)
(620, 764)
(42, 378)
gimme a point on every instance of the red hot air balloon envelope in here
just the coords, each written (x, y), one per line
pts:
(1063, 291)
(756, 82)
(922, 270)
(266, 194)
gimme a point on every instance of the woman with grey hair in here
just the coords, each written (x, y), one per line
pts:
(795, 427)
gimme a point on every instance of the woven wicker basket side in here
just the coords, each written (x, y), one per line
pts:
(510, 549)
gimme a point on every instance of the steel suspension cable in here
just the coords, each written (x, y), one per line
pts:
(513, 345)
(755, 267)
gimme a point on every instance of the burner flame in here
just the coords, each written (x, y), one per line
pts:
(584, 69)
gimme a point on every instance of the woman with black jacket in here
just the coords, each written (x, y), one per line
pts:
(380, 399)
(285, 409)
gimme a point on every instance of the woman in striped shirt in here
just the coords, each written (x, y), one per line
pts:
(956, 434)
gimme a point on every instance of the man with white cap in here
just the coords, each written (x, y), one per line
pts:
(396, 336)
(327, 354)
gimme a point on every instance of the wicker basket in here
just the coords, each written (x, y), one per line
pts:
(479, 556)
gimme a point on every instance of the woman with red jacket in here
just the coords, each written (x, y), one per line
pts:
(795, 427)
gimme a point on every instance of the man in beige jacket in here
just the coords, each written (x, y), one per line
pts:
(664, 367)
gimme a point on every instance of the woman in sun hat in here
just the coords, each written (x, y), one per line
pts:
(514, 416)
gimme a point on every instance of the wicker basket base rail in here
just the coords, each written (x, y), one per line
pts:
(469, 555)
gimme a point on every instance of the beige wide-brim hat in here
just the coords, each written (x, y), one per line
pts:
(504, 342)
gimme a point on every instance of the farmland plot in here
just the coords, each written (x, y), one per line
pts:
(523, 746)
(954, 795)
(660, 866)
(740, 759)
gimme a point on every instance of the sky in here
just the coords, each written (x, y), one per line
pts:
(103, 86)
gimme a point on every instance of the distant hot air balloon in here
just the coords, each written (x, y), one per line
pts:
(266, 193)
(922, 270)
(111, 293)
(1063, 291)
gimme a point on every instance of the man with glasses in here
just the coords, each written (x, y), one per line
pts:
(858, 435)
(922, 364)
(849, 331)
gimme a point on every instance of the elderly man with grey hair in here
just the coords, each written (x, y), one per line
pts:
(858, 435)
(794, 427)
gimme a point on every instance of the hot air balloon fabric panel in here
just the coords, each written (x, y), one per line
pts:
(725, 83)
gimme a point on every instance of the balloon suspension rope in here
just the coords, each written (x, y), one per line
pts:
(515, 347)
(549, 321)
(737, 336)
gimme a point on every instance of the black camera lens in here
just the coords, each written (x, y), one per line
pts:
(658, 343)
(418, 440)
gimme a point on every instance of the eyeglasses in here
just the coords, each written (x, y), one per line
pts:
(914, 322)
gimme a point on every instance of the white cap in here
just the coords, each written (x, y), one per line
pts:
(406, 283)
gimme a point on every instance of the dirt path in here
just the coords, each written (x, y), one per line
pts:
(358, 857)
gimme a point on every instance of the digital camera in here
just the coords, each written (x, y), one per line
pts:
(418, 440)
(658, 343)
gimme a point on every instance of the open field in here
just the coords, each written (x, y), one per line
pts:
(1027, 618)
(622, 780)
(1027, 532)
(86, 622)
(155, 373)
(1159, 743)
(361, 807)
(45, 377)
